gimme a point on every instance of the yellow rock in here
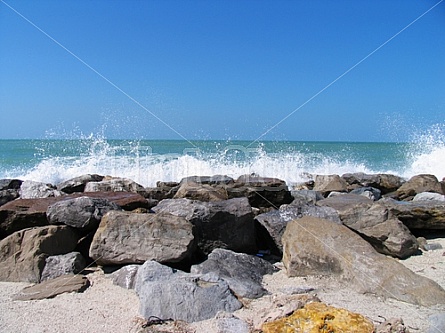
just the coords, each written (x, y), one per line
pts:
(320, 318)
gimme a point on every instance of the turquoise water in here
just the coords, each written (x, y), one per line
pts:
(147, 161)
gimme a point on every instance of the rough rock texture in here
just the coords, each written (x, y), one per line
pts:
(130, 238)
(77, 184)
(10, 184)
(23, 254)
(417, 215)
(166, 293)
(8, 195)
(125, 277)
(418, 184)
(329, 183)
(82, 213)
(62, 264)
(387, 234)
(349, 206)
(392, 325)
(34, 190)
(51, 288)
(225, 224)
(428, 196)
(272, 224)
(386, 183)
(319, 247)
(231, 324)
(209, 180)
(201, 192)
(368, 192)
(320, 318)
(241, 271)
(114, 185)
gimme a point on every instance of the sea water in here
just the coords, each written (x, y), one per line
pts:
(148, 161)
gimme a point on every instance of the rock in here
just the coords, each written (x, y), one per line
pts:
(428, 196)
(114, 185)
(261, 191)
(77, 184)
(418, 184)
(392, 325)
(302, 197)
(125, 277)
(243, 272)
(386, 234)
(319, 247)
(231, 324)
(34, 190)
(83, 213)
(271, 225)
(349, 206)
(318, 318)
(437, 323)
(23, 254)
(52, 288)
(417, 215)
(328, 183)
(62, 264)
(368, 192)
(225, 224)
(8, 195)
(386, 183)
(10, 184)
(125, 200)
(201, 192)
(209, 180)
(166, 293)
(130, 238)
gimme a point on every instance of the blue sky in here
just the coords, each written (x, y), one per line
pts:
(222, 69)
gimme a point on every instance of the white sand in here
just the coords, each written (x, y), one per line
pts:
(105, 307)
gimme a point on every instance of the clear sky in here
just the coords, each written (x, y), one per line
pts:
(356, 70)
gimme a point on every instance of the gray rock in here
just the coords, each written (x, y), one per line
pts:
(231, 324)
(10, 184)
(167, 293)
(83, 213)
(209, 180)
(201, 192)
(274, 223)
(225, 224)
(8, 195)
(114, 185)
(368, 192)
(428, 196)
(52, 288)
(62, 264)
(319, 247)
(77, 184)
(437, 323)
(23, 254)
(302, 197)
(34, 190)
(125, 277)
(131, 238)
(243, 272)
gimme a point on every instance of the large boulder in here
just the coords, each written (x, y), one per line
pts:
(243, 272)
(9, 190)
(417, 215)
(260, 191)
(315, 246)
(83, 213)
(387, 234)
(77, 184)
(386, 183)
(130, 238)
(8, 195)
(34, 190)
(208, 180)
(201, 192)
(23, 254)
(418, 184)
(329, 183)
(63, 264)
(225, 224)
(271, 225)
(167, 293)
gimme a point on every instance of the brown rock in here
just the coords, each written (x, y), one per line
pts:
(419, 184)
(320, 318)
(51, 288)
(201, 192)
(329, 183)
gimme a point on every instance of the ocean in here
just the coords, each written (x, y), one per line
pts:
(148, 161)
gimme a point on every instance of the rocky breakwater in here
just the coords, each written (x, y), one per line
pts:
(193, 248)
